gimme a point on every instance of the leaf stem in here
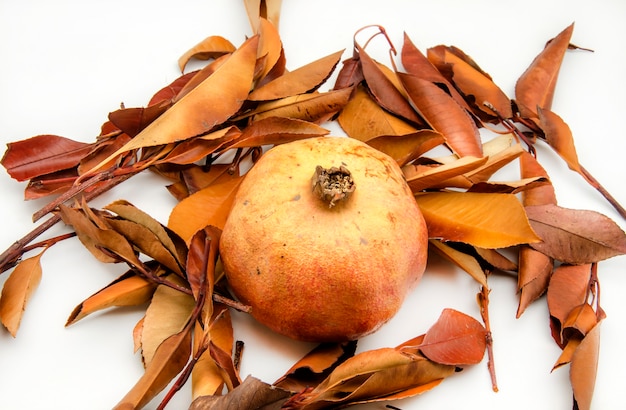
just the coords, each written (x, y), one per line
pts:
(596, 184)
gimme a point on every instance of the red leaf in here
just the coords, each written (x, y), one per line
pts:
(456, 339)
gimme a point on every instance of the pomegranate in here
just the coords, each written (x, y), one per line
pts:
(324, 239)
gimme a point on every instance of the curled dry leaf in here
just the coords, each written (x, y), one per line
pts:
(405, 148)
(252, 393)
(535, 87)
(476, 219)
(568, 289)
(210, 47)
(420, 178)
(464, 261)
(575, 236)
(17, 290)
(583, 369)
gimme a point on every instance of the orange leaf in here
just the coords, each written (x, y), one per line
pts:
(405, 148)
(127, 290)
(464, 261)
(420, 178)
(224, 91)
(483, 220)
(535, 87)
(559, 137)
(209, 206)
(302, 80)
(363, 118)
(584, 367)
(17, 290)
(567, 290)
(210, 47)
(444, 115)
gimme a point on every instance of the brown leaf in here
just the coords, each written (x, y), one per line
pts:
(416, 63)
(363, 118)
(50, 184)
(42, 154)
(475, 84)
(270, 52)
(168, 360)
(206, 377)
(251, 394)
(105, 244)
(209, 206)
(533, 277)
(196, 149)
(575, 236)
(302, 80)
(167, 244)
(535, 87)
(315, 366)
(374, 375)
(541, 195)
(384, 91)
(483, 220)
(405, 148)
(567, 290)
(188, 117)
(455, 339)
(314, 107)
(210, 47)
(584, 367)
(444, 115)
(201, 259)
(277, 130)
(17, 291)
(127, 290)
(559, 137)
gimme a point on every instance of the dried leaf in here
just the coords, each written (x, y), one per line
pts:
(106, 245)
(168, 360)
(533, 277)
(483, 220)
(270, 51)
(464, 261)
(455, 339)
(302, 80)
(364, 119)
(405, 148)
(17, 291)
(559, 137)
(277, 130)
(42, 155)
(206, 377)
(444, 115)
(421, 178)
(535, 87)
(127, 290)
(575, 236)
(416, 63)
(313, 368)
(167, 315)
(567, 290)
(384, 91)
(189, 117)
(167, 240)
(209, 206)
(584, 367)
(251, 394)
(541, 195)
(210, 47)
(475, 84)
(315, 107)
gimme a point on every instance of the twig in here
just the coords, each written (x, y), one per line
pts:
(483, 302)
(596, 184)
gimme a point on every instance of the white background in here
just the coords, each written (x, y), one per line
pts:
(66, 64)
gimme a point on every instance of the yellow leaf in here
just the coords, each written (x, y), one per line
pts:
(17, 290)
(484, 220)
(210, 47)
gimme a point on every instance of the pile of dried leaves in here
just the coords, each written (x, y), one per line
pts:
(200, 129)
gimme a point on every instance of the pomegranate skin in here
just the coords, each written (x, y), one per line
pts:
(321, 273)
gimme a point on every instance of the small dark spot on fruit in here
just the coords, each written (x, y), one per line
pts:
(246, 202)
(258, 271)
(296, 197)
